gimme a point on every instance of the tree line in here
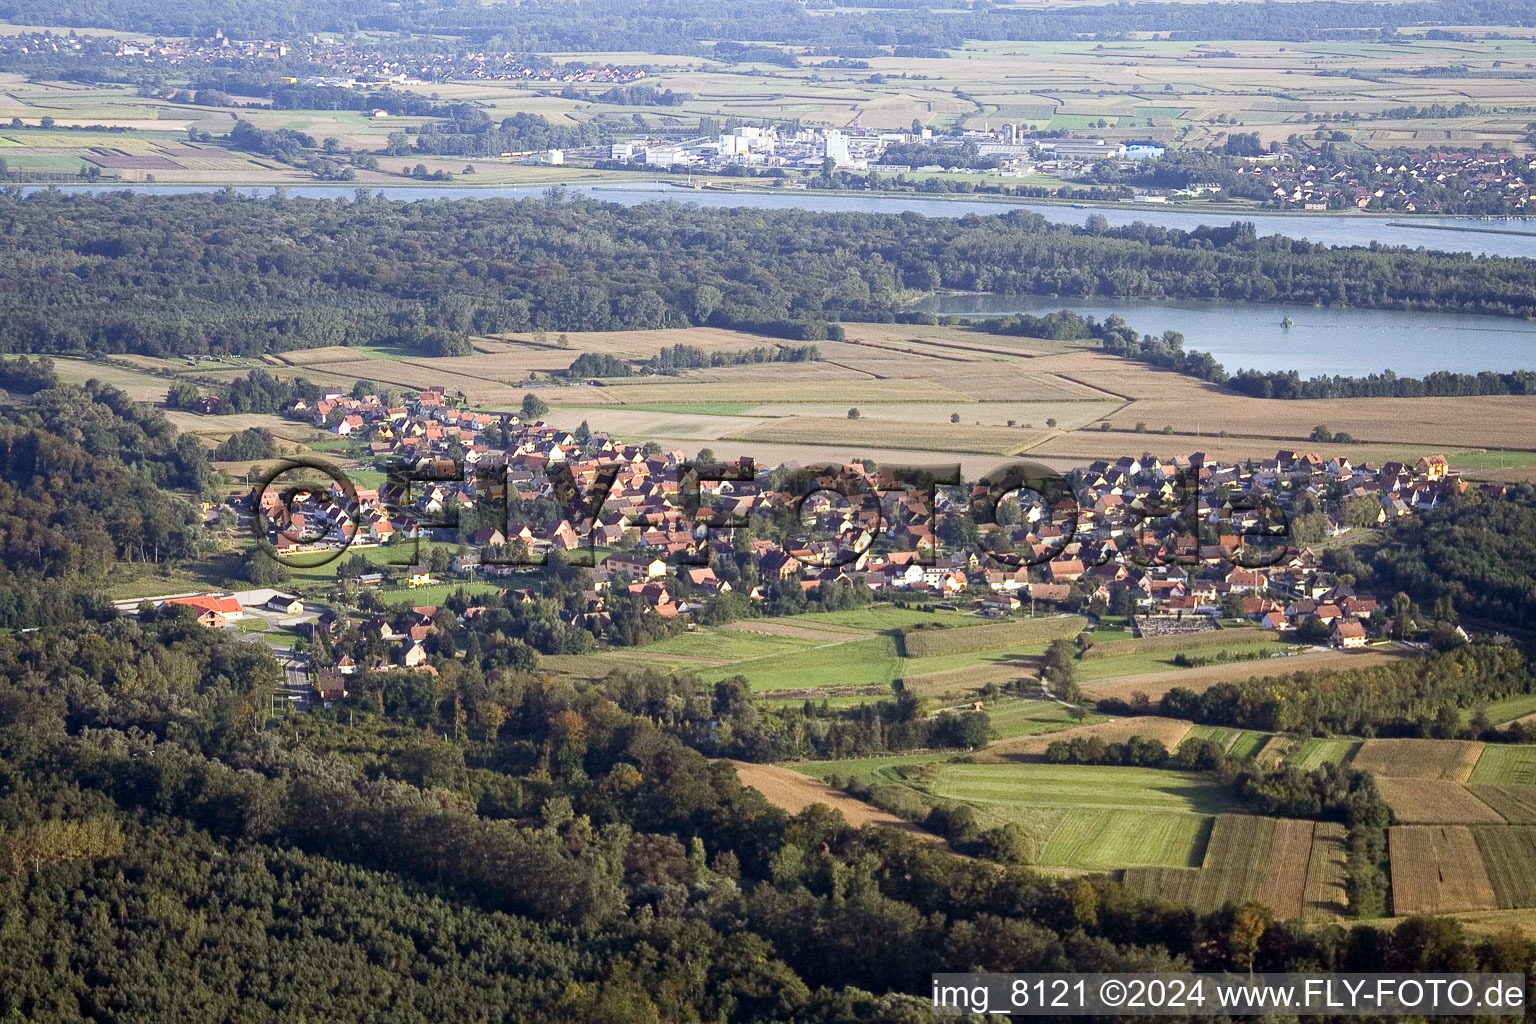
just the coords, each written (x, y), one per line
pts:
(1408, 697)
(353, 273)
(915, 29)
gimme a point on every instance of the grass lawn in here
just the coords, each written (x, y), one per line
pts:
(1032, 717)
(870, 769)
(881, 617)
(1506, 764)
(1081, 787)
(1249, 744)
(422, 596)
(870, 662)
(1222, 737)
(1089, 669)
(386, 557)
(1315, 753)
(1508, 709)
(1093, 817)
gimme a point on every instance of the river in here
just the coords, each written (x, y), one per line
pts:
(1451, 234)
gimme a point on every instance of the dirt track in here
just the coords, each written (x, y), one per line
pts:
(790, 791)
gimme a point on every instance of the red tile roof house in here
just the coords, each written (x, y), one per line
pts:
(212, 610)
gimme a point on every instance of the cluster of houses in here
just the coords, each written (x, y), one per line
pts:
(395, 644)
(346, 63)
(1421, 184)
(506, 493)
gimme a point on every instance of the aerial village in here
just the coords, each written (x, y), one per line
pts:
(1176, 546)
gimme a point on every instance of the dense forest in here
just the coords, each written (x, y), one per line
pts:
(247, 276)
(1481, 555)
(1410, 697)
(677, 26)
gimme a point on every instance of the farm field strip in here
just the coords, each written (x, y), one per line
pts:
(1125, 838)
(1434, 802)
(1314, 753)
(1515, 804)
(1437, 869)
(1506, 764)
(924, 643)
(793, 792)
(1325, 897)
(1031, 718)
(1509, 859)
(1284, 886)
(1248, 859)
(1080, 787)
(1164, 677)
(1419, 759)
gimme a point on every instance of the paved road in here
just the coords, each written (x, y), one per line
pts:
(296, 680)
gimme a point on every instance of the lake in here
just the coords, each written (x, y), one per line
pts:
(1321, 341)
(1451, 234)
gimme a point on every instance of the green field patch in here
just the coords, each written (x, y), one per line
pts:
(870, 662)
(1124, 838)
(879, 618)
(387, 557)
(1089, 669)
(1032, 717)
(1249, 744)
(1079, 121)
(733, 645)
(1314, 753)
(925, 643)
(1506, 764)
(870, 769)
(1091, 816)
(420, 597)
(1222, 737)
(1081, 787)
(1508, 709)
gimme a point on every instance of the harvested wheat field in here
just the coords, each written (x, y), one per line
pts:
(1420, 759)
(1029, 748)
(139, 385)
(936, 437)
(1438, 869)
(1122, 378)
(1156, 684)
(768, 627)
(1283, 889)
(223, 426)
(644, 344)
(790, 791)
(1324, 898)
(1434, 802)
(320, 356)
(1493, 421)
